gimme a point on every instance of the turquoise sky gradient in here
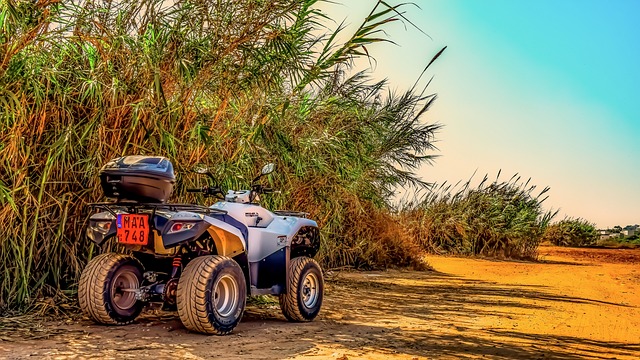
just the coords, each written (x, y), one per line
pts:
(546, 89)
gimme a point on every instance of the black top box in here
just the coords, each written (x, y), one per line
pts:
(147, 179)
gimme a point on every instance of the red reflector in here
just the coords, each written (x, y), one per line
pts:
(176, 227)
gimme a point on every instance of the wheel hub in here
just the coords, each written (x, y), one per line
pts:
(225, 296)
(170, 291)
(123, 288)
(310, 292)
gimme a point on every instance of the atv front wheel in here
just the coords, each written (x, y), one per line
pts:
(303, 299)
(212, 295)
(106, 292)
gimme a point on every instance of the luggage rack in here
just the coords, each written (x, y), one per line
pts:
(299, 214)
(134, 207)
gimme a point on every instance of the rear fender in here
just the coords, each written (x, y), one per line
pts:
(172, 239)
(228, 239)
(97, 233)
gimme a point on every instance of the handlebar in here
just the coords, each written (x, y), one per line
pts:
(206, 191)
(213, 191)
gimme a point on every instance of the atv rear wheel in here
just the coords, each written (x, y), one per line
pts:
(106, 292)
(304, 295)
(212, 295)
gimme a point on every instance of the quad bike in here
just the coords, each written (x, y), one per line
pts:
(201, 261)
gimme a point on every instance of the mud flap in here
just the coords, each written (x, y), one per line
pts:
(269, 275)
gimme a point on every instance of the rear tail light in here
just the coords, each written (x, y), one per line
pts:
(180, 226)
(102, 227)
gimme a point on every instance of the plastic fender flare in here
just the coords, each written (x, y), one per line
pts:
(299, 224)
(229, 240)
(310, 250)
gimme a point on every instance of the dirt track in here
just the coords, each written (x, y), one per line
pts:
(574, 304)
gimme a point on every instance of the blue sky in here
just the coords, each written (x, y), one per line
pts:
(546, 89)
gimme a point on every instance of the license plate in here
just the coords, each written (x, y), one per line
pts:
(133, 229)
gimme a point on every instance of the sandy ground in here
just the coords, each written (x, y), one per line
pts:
(574, 304)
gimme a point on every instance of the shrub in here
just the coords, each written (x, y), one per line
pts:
(504, 219)
(572, 232)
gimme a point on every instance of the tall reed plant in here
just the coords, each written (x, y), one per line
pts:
(227, 84)
(493, 218)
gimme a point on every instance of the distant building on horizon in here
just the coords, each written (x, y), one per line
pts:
(629, 232)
